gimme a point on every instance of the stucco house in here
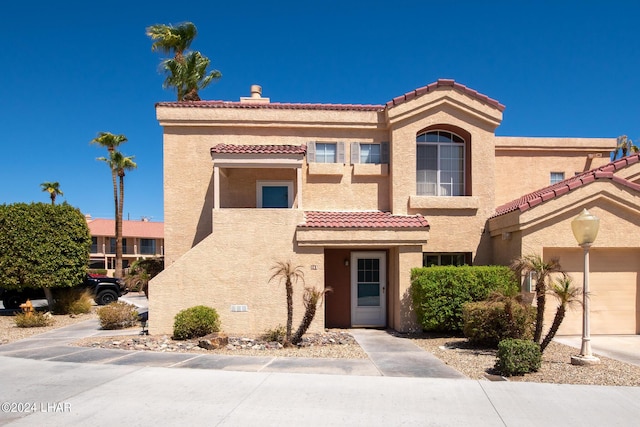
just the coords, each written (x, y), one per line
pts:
(140, 240)
(358, 195)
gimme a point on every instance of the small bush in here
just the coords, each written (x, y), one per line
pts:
(72, 301)
(518, 357)
(117, 315)
(277, 334)
(33, 320)
(195, 322)
(487, 323)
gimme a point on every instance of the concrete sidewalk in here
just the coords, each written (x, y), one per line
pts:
(625, 348)
(388, 355)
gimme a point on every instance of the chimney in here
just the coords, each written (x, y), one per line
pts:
(256, 96)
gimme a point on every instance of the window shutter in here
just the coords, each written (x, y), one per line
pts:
(311, 152)
(355, 153)
(384, 152)
(340, 152)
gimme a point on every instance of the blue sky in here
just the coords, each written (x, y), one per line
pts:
(71, 69)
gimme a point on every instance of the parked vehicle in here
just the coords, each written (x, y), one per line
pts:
(104, 289)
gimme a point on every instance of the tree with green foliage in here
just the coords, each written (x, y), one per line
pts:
(189, 76)
(290, 274)
(185, 71)
(542, 270)
(53, 188)
(311, 298)
(624, 146)
(119, 163)
(43, 246)
(172, 40)
(567, 295)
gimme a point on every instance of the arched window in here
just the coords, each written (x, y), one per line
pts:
(440, 164)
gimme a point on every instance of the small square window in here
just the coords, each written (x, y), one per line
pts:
(325, 152)
(556, 177)
(370, 153)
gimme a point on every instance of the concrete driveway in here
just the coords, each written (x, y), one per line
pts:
(625, 348)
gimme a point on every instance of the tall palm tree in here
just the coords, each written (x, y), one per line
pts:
(172, 40)
(624, 145)
(54, 190)
(567, 296)
(542, 269)
(119, 163)
(112, 141)
(290, 274)
(189, 76)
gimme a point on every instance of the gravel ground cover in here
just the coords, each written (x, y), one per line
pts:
(335, 343)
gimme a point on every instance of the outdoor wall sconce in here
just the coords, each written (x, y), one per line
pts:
(346, 262)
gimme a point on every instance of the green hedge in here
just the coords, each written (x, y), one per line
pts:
(438, 293)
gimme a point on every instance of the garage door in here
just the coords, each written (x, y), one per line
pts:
(614, 281)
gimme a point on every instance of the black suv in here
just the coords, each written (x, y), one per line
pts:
(104, 289)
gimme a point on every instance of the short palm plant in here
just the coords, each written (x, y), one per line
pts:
(290, 274)
(567, 295)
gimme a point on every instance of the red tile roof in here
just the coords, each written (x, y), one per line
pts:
(271, 105)
(143, 229)
(377, 219)
(603, 172)
(259, 149)
(339, 107)
(445, 83)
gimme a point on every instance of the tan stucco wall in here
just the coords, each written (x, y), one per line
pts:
(524, 164)
(232, 267)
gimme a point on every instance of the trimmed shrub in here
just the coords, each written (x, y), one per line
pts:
(72, 301)
(438, 293)
(117, 315)
(33, 320)
(486, 323)
(195, 322)
(518, 357)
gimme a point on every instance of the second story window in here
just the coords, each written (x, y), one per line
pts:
(325, 152)
(369, 153)
(440, 164)
(112, 245)
(94, 245)
(556, 177)
(148, 246)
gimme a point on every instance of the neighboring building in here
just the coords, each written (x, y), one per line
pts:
(358, 195)
(140, 239)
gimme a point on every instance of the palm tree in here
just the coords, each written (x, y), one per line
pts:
(172, 40)
(624, 145)
(542, 269)
(189, 76)
(290, 274)
(119, 163)
(111, 142)
(567, 296)
(54, 190)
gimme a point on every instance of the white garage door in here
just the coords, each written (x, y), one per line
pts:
(614, 281)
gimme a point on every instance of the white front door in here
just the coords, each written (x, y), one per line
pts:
(368, 289)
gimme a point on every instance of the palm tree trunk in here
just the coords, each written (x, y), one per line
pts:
(309, 314)
(540, 301)
(118, 272)
(289, 287)
(557, 320)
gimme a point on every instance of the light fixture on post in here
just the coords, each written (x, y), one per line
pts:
(585, 229)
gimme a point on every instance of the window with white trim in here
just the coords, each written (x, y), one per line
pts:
(556, 177)
(274, 194)
(369, 153)
(440, 164)
(325, 152)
